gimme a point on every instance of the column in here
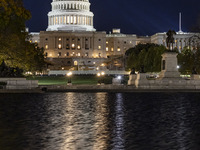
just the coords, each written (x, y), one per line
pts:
(69, 19)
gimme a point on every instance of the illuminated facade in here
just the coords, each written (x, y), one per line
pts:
(71, 40)
(181, 40)
(74, 48)
(70, 15)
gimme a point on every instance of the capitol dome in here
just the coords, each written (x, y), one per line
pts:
(70, 15)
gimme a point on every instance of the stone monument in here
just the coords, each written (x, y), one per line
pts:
(169, 66)
(132, 77)
(169, 77)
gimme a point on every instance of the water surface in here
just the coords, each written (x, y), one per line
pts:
(100, 121)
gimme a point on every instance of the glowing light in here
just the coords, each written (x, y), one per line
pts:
(102, 73)
(46, 46)
(98, 74)
(119, 77)
(69, 74)
(178, 67)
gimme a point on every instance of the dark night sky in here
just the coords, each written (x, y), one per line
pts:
(141, 17)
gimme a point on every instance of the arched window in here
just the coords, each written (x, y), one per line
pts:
(75, 63)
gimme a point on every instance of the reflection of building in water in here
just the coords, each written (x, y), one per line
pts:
(101, 132)
(86, 121)
(71, 40)
(118, 140)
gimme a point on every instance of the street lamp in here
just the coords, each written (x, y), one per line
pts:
(102, 74)
(99, 80)
(69, 82)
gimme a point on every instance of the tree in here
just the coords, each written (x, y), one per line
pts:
(14, 46)
(147, 55)
(186, 61)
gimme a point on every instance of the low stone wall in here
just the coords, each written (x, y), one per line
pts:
(142, 82)
(105, 88)
(22, 84)
(19, 83)
(11, 79)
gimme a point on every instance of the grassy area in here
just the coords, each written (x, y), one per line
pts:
(60, 80)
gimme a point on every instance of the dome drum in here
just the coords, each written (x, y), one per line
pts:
(67, 15)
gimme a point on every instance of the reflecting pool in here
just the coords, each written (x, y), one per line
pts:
(100, 121)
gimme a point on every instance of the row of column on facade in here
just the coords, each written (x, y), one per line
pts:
(76, 6)
(77, 20)
(73, 54)
(181, 43)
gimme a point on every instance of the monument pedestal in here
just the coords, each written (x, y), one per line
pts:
(132, 78)
(142, 81)
(169, 66)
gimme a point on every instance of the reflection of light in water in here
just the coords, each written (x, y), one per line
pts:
(183, 129)
(86, 124)
(119, 123)
(79, 122)
(70, 128)
(101, 122)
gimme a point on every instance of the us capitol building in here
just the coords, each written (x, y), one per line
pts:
(72, 42)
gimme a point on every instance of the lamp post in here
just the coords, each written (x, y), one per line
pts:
(69, 82)
(101, 76)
